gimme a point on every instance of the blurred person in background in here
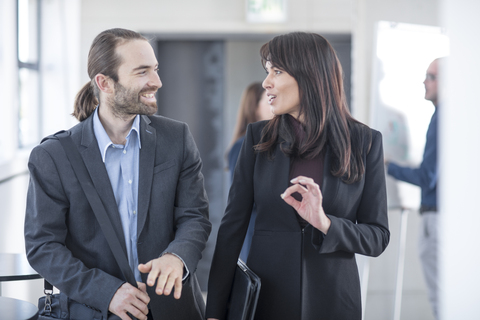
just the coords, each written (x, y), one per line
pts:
(253, 107)
(426, 177)
(317, 178)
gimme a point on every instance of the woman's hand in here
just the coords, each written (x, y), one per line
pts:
(310, 208)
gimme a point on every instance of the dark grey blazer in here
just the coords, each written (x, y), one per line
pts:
(305, 274)
(64, 242)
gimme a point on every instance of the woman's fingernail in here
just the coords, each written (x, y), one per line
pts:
(293, 180)
(302, 181)
(282, 196)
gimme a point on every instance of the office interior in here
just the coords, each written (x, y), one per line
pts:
(208, 52)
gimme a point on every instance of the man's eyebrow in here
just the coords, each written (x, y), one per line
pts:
(144, 67)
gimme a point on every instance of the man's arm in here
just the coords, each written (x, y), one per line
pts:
(426, 175)
(191, 224)
(47, 231)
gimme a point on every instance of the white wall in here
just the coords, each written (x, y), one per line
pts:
(207, 16)
(366, 14)
(459, 169)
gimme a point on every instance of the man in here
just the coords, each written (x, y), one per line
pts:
(147, 171)
(425, 177)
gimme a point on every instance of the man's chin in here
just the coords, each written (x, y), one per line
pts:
(149, 109)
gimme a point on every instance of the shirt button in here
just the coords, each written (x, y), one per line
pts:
(130, 181)
(134, 212)
(124, 151)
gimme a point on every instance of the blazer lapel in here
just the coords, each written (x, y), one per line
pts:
(280, 181)
(98, 173)
(146, 163)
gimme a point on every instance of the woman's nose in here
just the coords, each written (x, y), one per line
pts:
(267, 83)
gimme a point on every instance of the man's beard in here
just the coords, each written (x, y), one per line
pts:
(127, 102)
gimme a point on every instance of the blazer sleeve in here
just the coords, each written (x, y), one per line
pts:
(46, 232)
(192, 226)
(232, 231)
(369, 235)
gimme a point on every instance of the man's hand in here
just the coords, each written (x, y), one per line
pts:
(169, 271)
(132, 300)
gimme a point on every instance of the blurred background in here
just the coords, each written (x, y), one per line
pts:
(208, 53)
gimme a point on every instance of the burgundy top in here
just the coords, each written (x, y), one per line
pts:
(312, 168)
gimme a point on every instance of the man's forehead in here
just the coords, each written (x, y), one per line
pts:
(433, 67)
(137, 54)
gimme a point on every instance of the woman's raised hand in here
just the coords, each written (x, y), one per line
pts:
(310, 208)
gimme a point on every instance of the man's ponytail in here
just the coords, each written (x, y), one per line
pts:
(85, 102)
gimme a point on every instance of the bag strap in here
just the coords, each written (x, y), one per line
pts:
(93, 198)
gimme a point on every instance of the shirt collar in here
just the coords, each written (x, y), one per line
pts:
(104, 140)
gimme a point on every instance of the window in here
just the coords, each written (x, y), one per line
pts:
(29, 84)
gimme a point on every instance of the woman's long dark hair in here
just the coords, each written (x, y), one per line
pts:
(312, 62)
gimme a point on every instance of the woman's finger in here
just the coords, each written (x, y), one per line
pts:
(295, 188)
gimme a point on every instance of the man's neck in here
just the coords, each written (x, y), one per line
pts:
(116, 127)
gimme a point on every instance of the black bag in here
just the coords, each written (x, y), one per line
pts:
(244, 295)
(59, 306)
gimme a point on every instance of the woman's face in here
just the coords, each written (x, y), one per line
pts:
(282, 92)
(263, 111)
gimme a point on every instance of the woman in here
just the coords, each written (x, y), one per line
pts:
(253, 107)
(316, 176)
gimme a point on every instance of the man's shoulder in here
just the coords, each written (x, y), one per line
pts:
(51, 144)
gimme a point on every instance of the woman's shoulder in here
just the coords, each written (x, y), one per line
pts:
(256, 129)
(365, 135)
(259, 125)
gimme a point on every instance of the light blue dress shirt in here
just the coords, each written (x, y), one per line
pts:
(122, 164)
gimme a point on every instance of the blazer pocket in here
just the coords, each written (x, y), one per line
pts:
(164, 166)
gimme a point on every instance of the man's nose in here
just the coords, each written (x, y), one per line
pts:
(155, 81)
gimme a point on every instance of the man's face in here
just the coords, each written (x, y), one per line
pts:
(138, 80)
(431, 83)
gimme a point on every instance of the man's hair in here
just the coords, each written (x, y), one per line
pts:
(102, 59)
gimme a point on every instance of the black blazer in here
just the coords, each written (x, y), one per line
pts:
(305, 274)
(64, 242)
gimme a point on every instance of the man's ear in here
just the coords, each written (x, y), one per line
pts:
(104, 83)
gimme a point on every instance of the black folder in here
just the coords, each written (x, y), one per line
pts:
(244, 295)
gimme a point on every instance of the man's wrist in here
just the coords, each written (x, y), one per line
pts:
(186, 273)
